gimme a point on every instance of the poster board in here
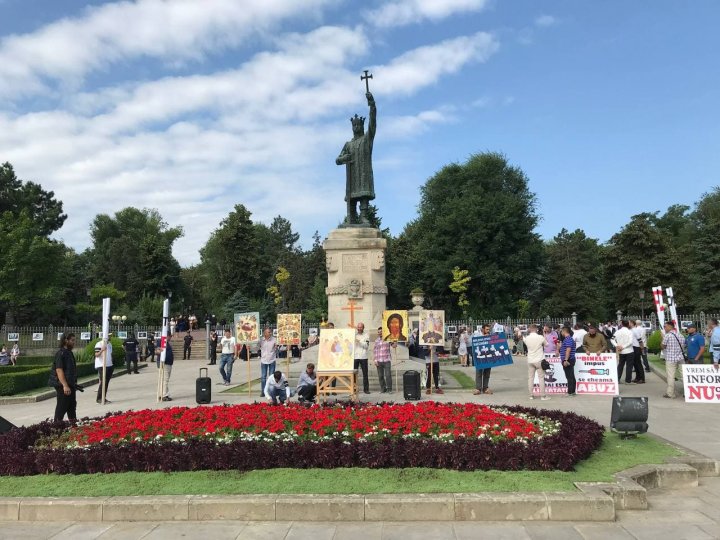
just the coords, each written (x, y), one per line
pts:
(289, 327)
(491, 351)
(395, 325)
(85, 336)
(13, 336)
(122, 334)
(432, 327)
(247, 327)
(336, 351)
(312, 331)
(596, 374)
(142, 335)
(701, 383)
(38, 336)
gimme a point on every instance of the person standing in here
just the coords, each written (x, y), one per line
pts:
(673, 344)
(187, 345)
(594, 342)
(307, 385)
(637, 343)
(150, 347)
(695, 345)
(130, 345)
(551, 340)
(268, 351)
(432, 365)
(167, 371)
(579, 334)
(567, 356)
(714, 339)
(227, 356)
(362, 344)
(463, 347)
(109, 368)
(14, 354)
(624, 348)
(213, 348)
(382, 360)
(63, 378)
(482, 376)
(535, 345)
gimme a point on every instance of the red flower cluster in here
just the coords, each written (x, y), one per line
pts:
(258, 422)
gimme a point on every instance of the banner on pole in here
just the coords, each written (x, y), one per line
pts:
(247, 327)
(432, 327)
(395, 325)
(596, 374)
(701, 383)
(491, 351)
(289, 327)
(164, 338)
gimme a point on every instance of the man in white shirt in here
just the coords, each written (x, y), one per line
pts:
(624, 348)
(362, 344)
(638, 333)
(578, 336)
(277, 388)
(535, 344)
(99, 348)
(228, 354)
(268, 352)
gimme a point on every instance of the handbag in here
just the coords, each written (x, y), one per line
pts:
(544, 365)
(684, 354)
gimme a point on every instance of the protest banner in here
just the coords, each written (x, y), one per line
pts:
(701, 383)
(596, 374)
(491, 351)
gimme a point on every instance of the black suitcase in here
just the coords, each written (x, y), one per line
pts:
(411, 385)
(203, 387)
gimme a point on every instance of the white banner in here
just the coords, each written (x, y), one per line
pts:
(701, 383)
(596, 374)
(164, 338)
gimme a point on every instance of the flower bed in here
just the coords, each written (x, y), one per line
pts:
(244, 437)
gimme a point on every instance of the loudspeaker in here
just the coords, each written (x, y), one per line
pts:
(5, 426)
(629, 415)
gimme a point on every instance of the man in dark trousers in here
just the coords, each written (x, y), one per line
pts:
(63, 378)
(131, 346)
(213, 348)
(187, 345)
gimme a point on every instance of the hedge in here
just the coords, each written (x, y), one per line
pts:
(654, 341)
(36, 378)
(35, 360)
(19, 369)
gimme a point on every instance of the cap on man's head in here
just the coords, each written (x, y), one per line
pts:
(692, 325)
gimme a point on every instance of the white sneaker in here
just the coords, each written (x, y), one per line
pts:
(532, 397)
(544, 398)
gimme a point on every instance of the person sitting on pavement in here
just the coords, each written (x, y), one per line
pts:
(307, 385)
(277, 388)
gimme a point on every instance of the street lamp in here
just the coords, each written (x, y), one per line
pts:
(117, 319)
(642, 304)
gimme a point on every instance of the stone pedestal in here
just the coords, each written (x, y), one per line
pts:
(355, 261)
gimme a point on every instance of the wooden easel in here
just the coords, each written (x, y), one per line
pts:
(346, 384)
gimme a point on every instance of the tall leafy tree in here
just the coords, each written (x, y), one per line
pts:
(704, 261)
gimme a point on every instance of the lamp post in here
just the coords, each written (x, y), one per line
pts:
(118, 319)
(642, 304)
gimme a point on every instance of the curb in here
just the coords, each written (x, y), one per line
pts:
(49, 394)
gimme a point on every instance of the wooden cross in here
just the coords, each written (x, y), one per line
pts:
(366, 78)
(352, 308)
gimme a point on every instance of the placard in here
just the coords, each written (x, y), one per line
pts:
(337, 349)
(85, 336)
(395, 325)
(38, 336)
(432, 327)
(289, 328)
(452, 329)
(13, 336)
(122, 334)
(596, 374)
(142, 335)
(701, 383)
(491, 351)
(312, 331)
(247, 327)
(60, 335)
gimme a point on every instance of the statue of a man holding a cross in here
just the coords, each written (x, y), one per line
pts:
(356, 155)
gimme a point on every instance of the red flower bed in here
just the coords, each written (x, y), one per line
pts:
(263, 422)
(247, 437)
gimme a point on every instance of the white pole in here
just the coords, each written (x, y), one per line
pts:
(163, 346)
(106, 331)
(659, 306)
(673, 308)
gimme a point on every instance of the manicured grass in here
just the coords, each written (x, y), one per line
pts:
(464, 380)
(614, 455)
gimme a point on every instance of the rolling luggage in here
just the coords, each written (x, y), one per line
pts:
(411, 385)
(203, 386)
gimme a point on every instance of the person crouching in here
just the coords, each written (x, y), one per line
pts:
(277, 388)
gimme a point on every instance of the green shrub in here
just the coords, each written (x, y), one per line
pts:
(20, 369)
(654, 341)
(35, 360)
(35, 378)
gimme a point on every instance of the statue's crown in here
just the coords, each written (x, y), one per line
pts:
(358, 120)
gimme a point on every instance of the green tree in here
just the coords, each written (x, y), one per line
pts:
(573, 276)
(481, 216)
(459, 285)
(704, 260)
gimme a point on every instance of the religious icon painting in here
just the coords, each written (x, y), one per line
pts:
(289, 326)
(336, 350)
(432, 327)
(395, 326)
(247, 327)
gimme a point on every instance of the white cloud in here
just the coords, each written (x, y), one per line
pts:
(405, 126)
(544, 21)
(171, 30)
(404, 12)
(425, 65)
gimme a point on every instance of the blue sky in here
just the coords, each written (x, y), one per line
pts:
(190, 107)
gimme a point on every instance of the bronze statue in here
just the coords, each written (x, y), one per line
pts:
(356, 155)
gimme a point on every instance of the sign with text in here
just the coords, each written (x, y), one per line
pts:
(596, 374)
(491, 351)
(701, 383)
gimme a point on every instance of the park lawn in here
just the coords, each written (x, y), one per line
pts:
(463, 379)
(614, 455)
